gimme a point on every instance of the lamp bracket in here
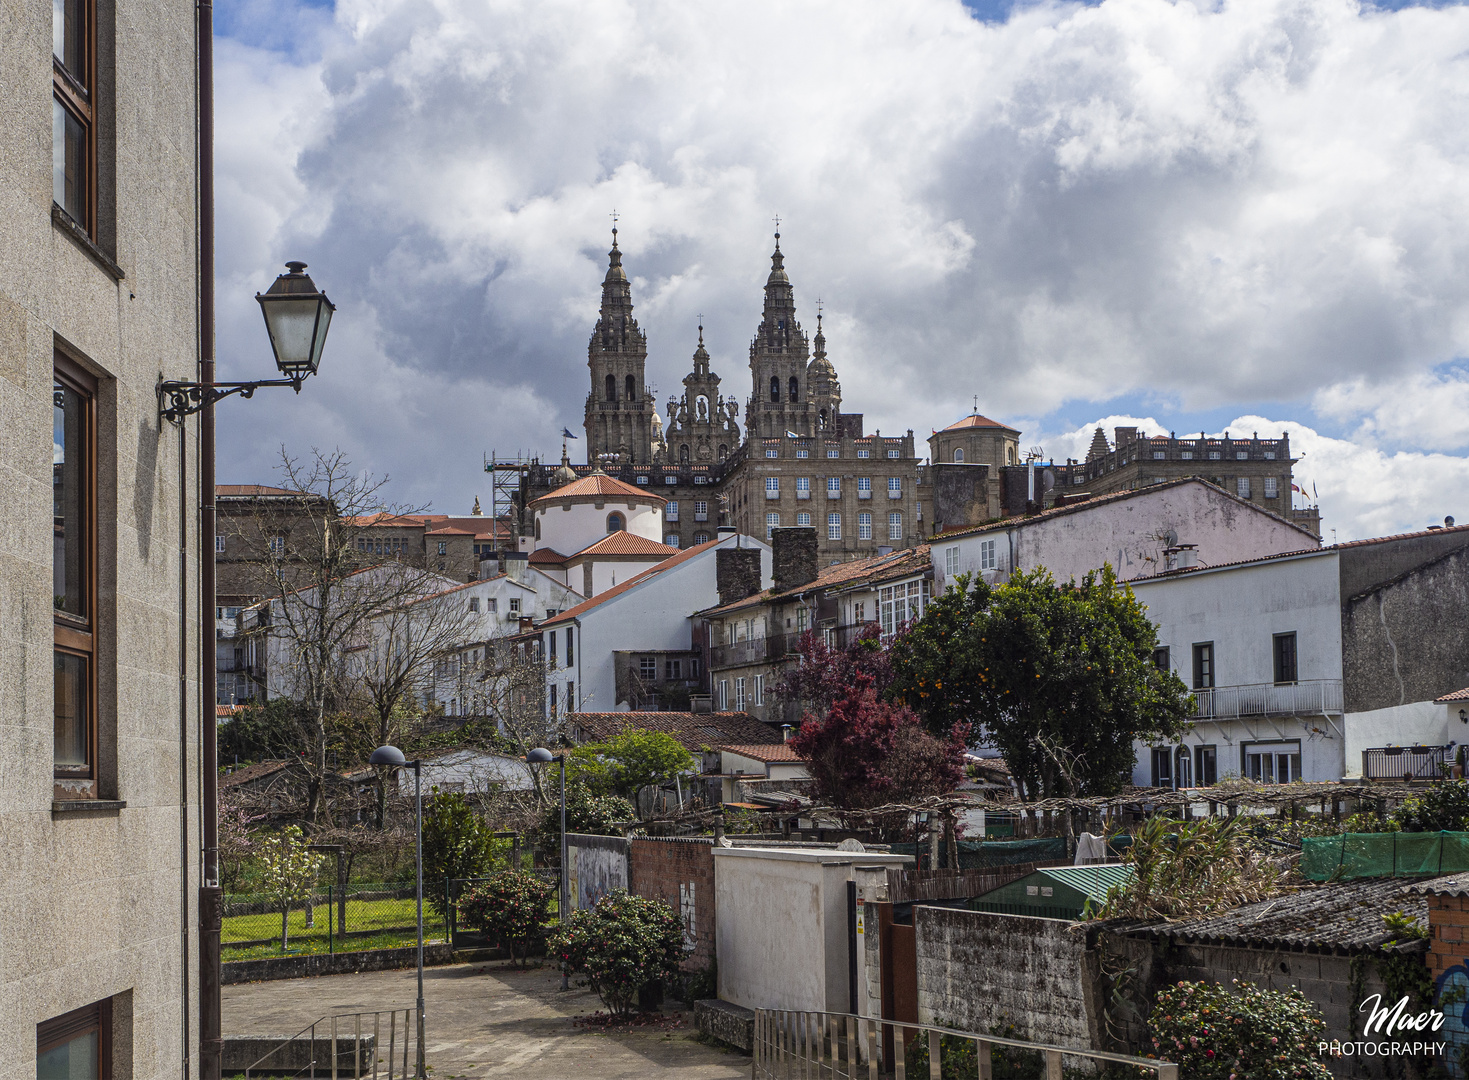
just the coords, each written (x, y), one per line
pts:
(187, 398)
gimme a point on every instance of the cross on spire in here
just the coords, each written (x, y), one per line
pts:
(614, 216)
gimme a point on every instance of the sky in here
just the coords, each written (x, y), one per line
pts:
(1244, 216)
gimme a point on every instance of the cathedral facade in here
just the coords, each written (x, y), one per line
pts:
(798, 460)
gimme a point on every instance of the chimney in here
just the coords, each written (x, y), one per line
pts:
(736, 573)
(1124, 435)
(785, 732)
(515, 564)
(795, 556)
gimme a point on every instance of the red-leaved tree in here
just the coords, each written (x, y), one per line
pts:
(823, 674)
(865, 752)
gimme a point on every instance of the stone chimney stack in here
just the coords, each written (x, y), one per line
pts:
(794, 556)
(736, 573)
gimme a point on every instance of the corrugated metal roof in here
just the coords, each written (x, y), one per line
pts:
(1094, 881)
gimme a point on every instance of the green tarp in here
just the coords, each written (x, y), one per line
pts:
(974, 855)
(1398, 854)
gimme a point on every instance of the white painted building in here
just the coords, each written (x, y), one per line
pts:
(597, 532)
(469, 770)
(648, 613)
(1140, 533)
(1316, 665)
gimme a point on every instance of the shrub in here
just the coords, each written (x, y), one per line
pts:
(1188, 869)
(1215, 1033)
(591, 815)
(456, 844)
(621, 945)
(512, 905)
(1444, 805)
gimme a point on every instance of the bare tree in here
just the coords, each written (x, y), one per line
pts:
(509, 688)
(330, 593)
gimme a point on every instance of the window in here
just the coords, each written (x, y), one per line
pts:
(803, 519)
(1273, 763)
(671, 539)
(895, 525)
(1183, 768)
(615, 523)
(833, 487)
(73, 571)
(76, 1044)
(859, 612)
(863, 452)
(631, 386)
(864, 526)
(1242, 455)
(1269, 455)
(832, 452)
(1162, 767)
(895, 487)
(1161, 659)
(988, 558)
(951, 561)
(803, 487)
(802, 619)
(443, 547)
(771, 452)
(571, 697)
(772, 487)
(648, 667)
(700, 538)
(1285, 658)
(833, 526)
(1204, 665)
(474, 603)
(552, 636)
(795, 389)
(669, 479)
(1078, 479)
(958, 454)
(892, 452)
(73, 117)
(803, 453)
(670, 512)
(277, 546)
(1242, 487)
(492, 605)
(1187, 455)
(553, 700)
(740, 694)
(1159, 455)
(775, 388)
(1272, 487)
(570, 655)
(897, 604)
(644, 480)
(1214, 455)
(672, 670)
(759, 698)
(701, 509)
(515, 605)
(611, 388)
(723, 695)
(772, 522)
(218, 544)
(864, 487)
(1206, 765)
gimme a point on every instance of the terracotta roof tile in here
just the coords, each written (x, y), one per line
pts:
(545, 556)
(763, 752)
(626, 543)
(873, 569)
(602, 486)
(976, 421)
(1457, 695)
(617, 590)
(693, 730)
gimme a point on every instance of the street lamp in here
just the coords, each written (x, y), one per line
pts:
(392, 757)
(297, 316)
(541, 756)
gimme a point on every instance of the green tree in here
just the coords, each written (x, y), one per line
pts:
(288, 871)
(513, 906)
(621, 944)
(586, 813)
(1059, 678)
(456, 844)
(630, 761)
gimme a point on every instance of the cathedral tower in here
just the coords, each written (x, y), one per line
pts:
(780, 396)
(821, 377)
(620, 412)
(701, 426)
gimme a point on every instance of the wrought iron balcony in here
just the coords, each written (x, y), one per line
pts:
(1310, 697)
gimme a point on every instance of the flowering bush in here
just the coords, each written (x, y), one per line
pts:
(1215, 1033)
(621, 945)
(513, 906)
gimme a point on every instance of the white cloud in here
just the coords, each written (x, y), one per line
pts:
(1208, 204)
(1428, 410)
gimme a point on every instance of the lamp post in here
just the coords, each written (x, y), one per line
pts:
(392, 756)
(541, 756)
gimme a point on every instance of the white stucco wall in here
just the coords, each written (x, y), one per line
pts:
(1240, 609)
(1128, 533)
(570, 526)
(781, 936)
(1419, 723)
(469, 770)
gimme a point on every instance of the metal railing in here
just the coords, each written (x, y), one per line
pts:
(1404, 762)
(1310, 697)
(324, 1052)
(840, 1045)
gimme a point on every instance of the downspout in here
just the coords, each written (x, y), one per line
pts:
(211, 898)
(185, 854)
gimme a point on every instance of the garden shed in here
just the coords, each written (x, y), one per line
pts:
(1056, 892)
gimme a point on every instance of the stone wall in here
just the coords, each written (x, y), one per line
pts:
(794, 557)
(679, 871)
(961, 495)
(736, 573)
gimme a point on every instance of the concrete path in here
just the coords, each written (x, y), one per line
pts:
(489, 1020)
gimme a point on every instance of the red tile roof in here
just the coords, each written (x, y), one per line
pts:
(617, 590)
(601, 486)
(1457, 695)
(872, 569)
(626, 543)
(764, 752)
(976, 421)
(693, 730)
(545, 556)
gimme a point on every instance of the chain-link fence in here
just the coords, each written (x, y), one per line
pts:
(337, 918)
(461, 937)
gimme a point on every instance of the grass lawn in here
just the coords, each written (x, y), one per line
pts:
(392, 920)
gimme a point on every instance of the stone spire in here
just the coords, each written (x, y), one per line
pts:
(780, 399)
(1099, 447)
(619, 412)
(821, 377)
(701, 425)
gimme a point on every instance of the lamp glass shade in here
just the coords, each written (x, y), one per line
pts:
(387, 755)
(539, 756)
(297, 317)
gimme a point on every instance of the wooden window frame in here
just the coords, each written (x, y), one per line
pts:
(77, 92)
(1203, 653)
(62, 1029)
(73, 635)
(1285, 677)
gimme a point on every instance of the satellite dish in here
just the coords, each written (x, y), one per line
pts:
(851, 844)
(1171, 538)
(1048, 479)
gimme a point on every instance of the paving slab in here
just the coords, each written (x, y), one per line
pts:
(491, 1020)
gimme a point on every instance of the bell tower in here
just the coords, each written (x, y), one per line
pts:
(701, 426)
(619, 415)
(780, 397)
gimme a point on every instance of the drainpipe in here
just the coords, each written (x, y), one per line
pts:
(211, 897)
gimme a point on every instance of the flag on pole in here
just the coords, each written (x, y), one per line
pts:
(565, 434)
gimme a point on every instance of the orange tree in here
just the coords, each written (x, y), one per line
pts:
(1059, 678)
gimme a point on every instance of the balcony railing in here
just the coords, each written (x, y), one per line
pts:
(1312, 697)
(1403, 762)
(751, 651)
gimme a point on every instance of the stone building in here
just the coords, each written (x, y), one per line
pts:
(99, 298)
(800, 461)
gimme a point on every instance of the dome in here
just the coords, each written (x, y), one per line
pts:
(563, 475)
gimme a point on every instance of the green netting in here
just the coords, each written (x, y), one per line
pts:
(974, 855)
(1398, 854)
